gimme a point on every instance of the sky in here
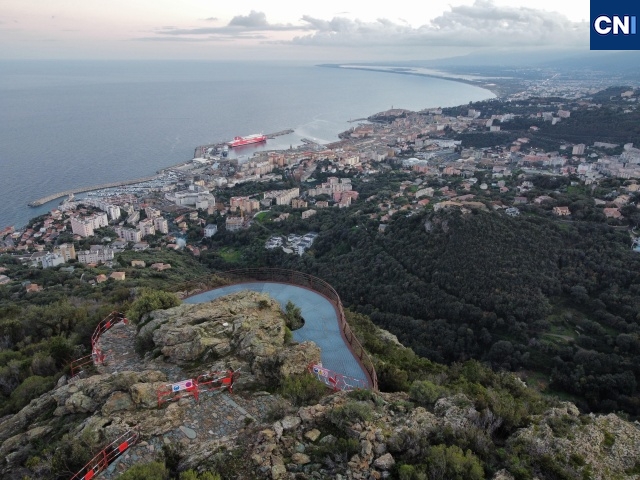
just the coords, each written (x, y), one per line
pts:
(329, 30)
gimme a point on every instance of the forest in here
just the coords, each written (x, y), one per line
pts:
(556, 301)
(40, 333)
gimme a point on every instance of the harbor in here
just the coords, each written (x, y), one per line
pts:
(202, 149)
(199, 153)
(53, 196)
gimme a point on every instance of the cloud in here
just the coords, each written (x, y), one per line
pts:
(253, 20)
(180, 39)
(209, 38)
(482, 24)
(210, 19)
(248, 26)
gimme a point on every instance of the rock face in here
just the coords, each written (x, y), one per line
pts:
(244, 330)
(606, 442)
(607, 446)
(356, 435)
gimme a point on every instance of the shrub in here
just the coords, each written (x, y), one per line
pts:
(73, 453)
(147, 471)
(288, 336)
(425, 393)
(302, 389)
(172, 455)
(293, 317)
(277, 410)
(363, 395)
(31, 388)
(349, 413)
(451, 463)
(150, 300)
(60, 350)
(193, 475)
(43, 365)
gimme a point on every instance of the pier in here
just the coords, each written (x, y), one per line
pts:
(280, 133)
(307, 141)
(48, 198)
(199, 152)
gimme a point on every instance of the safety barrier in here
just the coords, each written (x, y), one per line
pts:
(207, 382)
(172, 392)
(217, 380)
(107, 455)
(79, 364)
(336, 381)
(305, 280)
(97, 356)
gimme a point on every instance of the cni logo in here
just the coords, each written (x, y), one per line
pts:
(613, 25)
(604, 25)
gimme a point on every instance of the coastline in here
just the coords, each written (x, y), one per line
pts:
(494, 87)
(46, 202)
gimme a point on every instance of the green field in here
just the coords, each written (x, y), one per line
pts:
(230, 255)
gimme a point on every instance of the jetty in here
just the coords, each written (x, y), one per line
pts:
(53, 196)
(200, 151)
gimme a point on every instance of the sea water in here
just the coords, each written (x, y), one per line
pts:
(68, 124)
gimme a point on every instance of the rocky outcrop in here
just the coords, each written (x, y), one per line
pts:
(606, 445)
(244, 331)
(356, 435)
(300, 444)
(87, 395)
(599, 447)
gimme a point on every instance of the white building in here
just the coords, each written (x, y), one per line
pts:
(195, 194)
(66, 250)
(161, 225)
(46, 259)
(152, 212)
(147, 227)
(210, 230)
(114, 212)
(97, 254)
(129, 234)
(82, 227)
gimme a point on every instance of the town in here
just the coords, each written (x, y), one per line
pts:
(500, 156)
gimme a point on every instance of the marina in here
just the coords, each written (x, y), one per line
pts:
(53, 196)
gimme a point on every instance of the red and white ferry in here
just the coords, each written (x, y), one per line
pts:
(255, 138)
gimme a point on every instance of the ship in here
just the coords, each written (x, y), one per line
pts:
(239, 141)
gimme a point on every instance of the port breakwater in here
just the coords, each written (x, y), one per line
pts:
(200, 151)
(53, 196)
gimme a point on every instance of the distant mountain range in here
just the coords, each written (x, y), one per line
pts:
(615, 62)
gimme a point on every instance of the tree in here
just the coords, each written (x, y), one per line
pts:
(150, 300)
(293, 316)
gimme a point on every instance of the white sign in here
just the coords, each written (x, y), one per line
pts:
(183, 385)
(319, 370)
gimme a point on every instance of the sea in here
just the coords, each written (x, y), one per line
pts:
(70, 124)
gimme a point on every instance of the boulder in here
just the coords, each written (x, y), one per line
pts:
(384, 462)
(116, 402)
(146, 394)
(80, 403)
(300, 459)
(290, 422)
(312, 435)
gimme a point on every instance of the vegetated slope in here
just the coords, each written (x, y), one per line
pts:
(553, 297)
